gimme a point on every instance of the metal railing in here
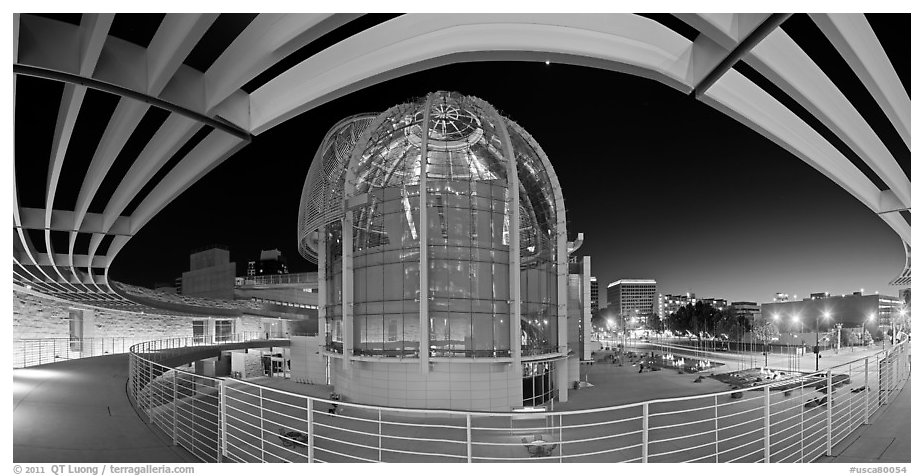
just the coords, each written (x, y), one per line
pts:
(31, 352)
(289, 278)
(792, 420)
(186, 406)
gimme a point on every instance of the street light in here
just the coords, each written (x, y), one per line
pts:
(827, 316)
(795, 357)
(901, 312)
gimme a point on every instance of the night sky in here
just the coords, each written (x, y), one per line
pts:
(661, 185)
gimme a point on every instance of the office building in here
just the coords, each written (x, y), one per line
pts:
(717, 303)
(781, 297)
(852, 310)
(271, 262)
(670, 303)
(211, 274)
(747, 309)
(629, 299)
(594, 294)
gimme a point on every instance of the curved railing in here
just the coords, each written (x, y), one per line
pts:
(785, 421)
(48, 350)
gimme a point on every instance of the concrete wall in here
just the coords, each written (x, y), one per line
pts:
(247, 363)
(40, 317)
(448, 385)
(308, 363)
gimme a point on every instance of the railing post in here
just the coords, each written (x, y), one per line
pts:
(150, 407)
(310, 430)
(380, 435)
(561, 437)
(767, 424)
(262, 451)
(223, 427)
(866, 391)
(715, 421)
(174, 408)
(829, 410)
(645, 432)
(801, 420)
(468, 437)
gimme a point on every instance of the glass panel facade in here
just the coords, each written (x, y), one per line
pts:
(468, 228)
(538, 249)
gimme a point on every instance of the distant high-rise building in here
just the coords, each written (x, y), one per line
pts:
(750, 310)
(271, 262)
(594, 294)
(717, 303)
(671, 303)
(630, 298)
(781, 297)
(211, 274)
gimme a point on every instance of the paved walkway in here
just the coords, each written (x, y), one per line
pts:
(886, 440)
(78, 412)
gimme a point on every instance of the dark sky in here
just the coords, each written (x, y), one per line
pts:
(661, 185)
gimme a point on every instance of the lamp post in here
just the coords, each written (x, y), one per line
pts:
(838, 348)
(795, 357)
(776, 318)
(872, 318)
(827, 316)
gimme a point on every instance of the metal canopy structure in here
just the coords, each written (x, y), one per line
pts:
(214, 107)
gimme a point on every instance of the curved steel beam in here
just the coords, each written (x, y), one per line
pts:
(411, 40)
(269, 38)
(205, 156)
(741, 50)
(175, 38)
(743, 100)
(783, 62)
(855, 39)
(628, 41)
(103, 86)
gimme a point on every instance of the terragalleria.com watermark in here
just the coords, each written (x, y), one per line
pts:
(101, 469)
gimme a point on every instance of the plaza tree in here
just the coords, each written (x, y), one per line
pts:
(765, 332)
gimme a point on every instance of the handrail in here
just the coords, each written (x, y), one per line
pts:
(339, 430)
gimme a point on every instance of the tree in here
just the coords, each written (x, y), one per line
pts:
(765, 332)
(597, 320)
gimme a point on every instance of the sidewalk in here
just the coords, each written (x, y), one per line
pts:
(78, 412)
(887, 439)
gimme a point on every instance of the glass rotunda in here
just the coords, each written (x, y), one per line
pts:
(441, 257)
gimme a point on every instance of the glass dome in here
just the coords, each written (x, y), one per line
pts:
(468, 224)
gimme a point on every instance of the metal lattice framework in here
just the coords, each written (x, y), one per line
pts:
(87, 56)
(322, 195)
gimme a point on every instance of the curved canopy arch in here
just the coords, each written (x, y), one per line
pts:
(87, 55)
